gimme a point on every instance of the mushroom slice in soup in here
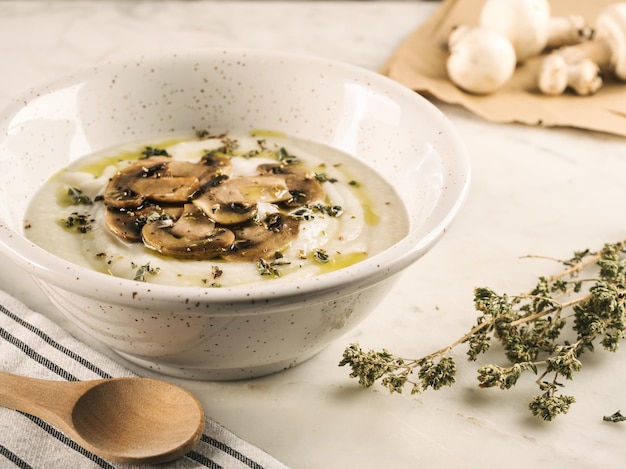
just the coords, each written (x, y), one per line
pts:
(233, 201)
(164, 180)
(208, 170)
(166, 189)
(192, 224)
(192, 236)
(266, 188)
(119, 193)
(302, 184)
(225, 204)
(260, 240)
(127, 224)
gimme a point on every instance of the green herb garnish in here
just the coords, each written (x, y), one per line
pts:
(78, 197)
(140, 274)
(322, 177)
(302, 213)
(321, 256)
(331, 210)
(79, 222)
(307, 212)
(148, 151)
(528, 327)
(270, 268)
(285, 157)
(267, 268)
(615, 417)
(216, 272)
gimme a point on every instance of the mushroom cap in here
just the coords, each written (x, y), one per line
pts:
(126, 224)
(192, 236)
(164, 180)
(265, 188)
(192, 224)
(262, 240)
(611, 26)
(523, 22)
(301, 183)
(481, 61)
(118, 192)
(209, 169)
(166, 189)
(225, 206)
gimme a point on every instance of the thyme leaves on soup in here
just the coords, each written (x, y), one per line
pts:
(307, 212)
(321, 256)
(78, 197)
(149, 151)
(267, 268)
(78, 222)
(143, 270)
(323, 177)
(287, 158)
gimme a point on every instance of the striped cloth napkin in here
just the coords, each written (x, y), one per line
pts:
(32, 345)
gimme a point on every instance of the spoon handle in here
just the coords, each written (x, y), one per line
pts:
(49, 400)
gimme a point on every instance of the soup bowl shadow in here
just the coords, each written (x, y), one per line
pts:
(249, 330)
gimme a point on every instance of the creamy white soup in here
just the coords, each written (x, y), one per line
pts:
(216, 210)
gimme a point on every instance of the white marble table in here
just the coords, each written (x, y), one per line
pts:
(535, 191)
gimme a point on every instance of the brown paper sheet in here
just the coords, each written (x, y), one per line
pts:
(420, 64)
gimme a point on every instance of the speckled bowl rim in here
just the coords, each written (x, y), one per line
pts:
(64, 274)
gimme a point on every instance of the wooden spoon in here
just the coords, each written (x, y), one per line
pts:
(131, 420)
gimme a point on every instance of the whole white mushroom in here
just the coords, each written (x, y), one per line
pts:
(529, 26)
(523, 22)
(481, 61)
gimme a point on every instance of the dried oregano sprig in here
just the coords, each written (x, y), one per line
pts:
(529, 327)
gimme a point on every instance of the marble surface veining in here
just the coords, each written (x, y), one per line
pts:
(534, 191)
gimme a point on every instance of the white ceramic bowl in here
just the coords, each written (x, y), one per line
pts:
(244, 331)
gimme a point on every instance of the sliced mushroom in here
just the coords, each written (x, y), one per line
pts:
(119, 193)
(164, 180)
(127, 224)
(303, 186)
(225, 204)
(268, 188)
(260, 240)
(192, 224)
(207, 213)
(192, 236)
(166, 189)
(207, 170)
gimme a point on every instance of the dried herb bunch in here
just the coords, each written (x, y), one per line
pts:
(531, 329)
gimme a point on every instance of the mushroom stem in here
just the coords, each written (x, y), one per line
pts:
(598, 51)
(584, 77)
(568, 30)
